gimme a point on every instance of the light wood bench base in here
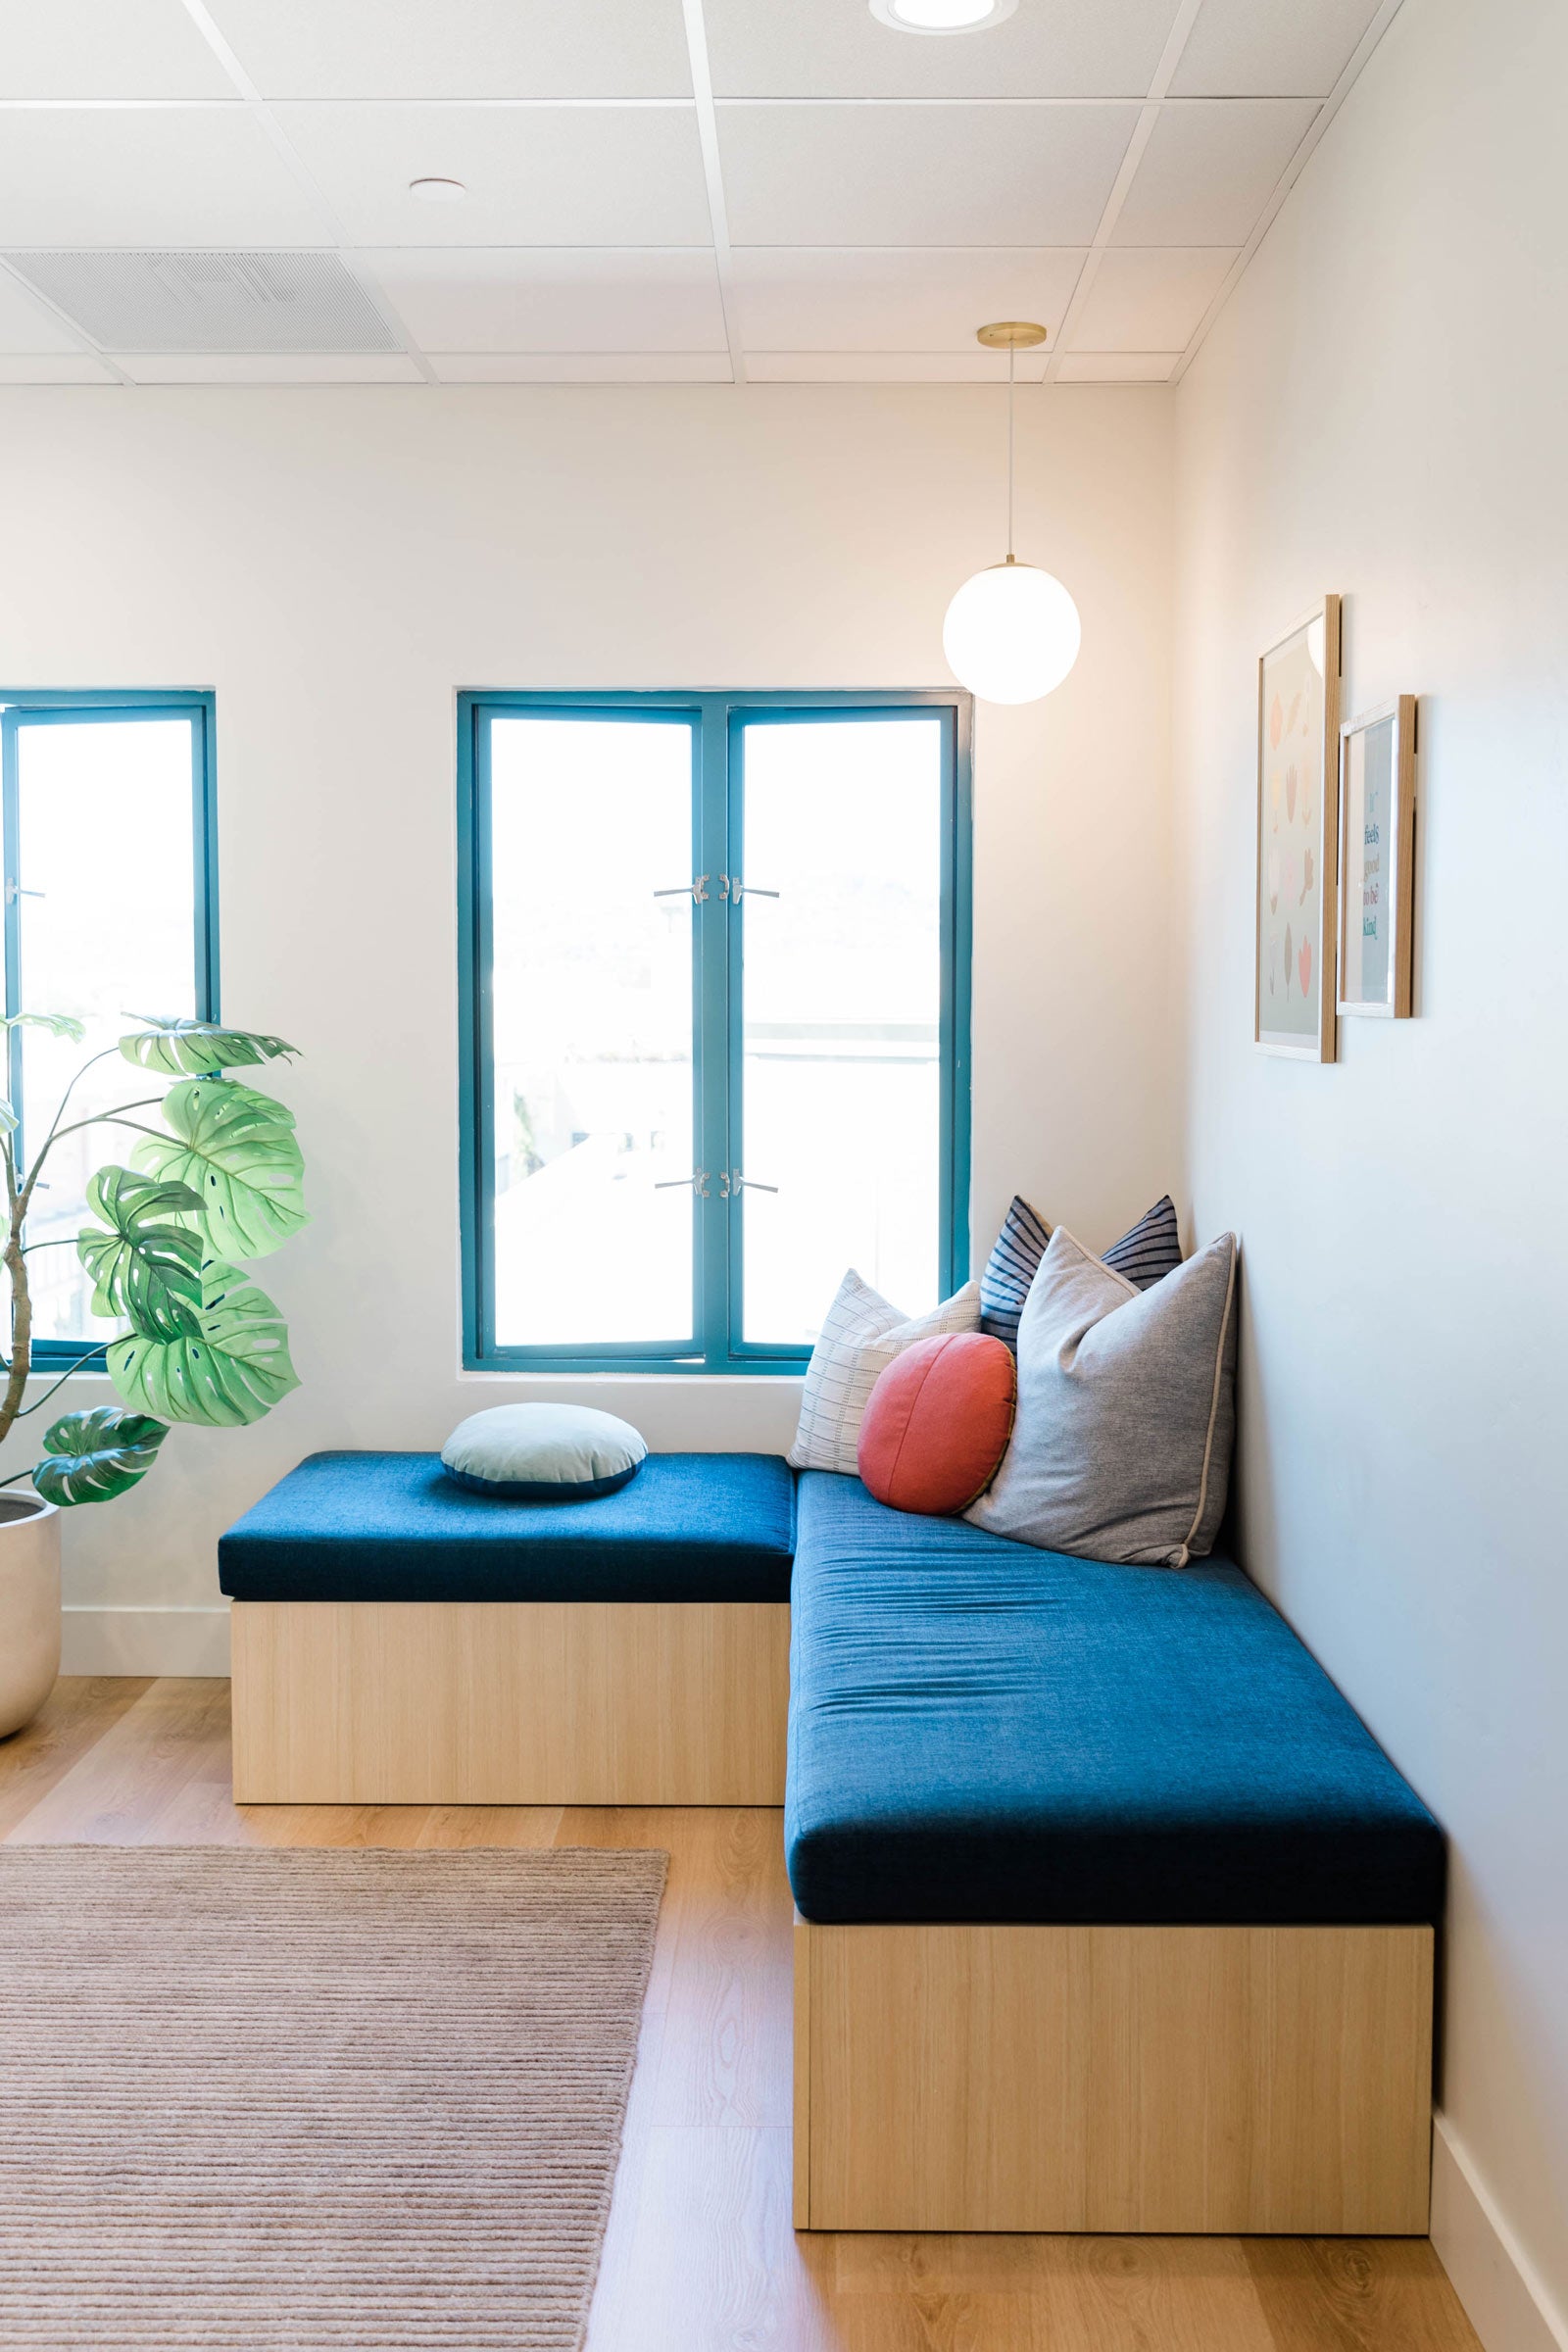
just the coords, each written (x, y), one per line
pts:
(510, 1702)
(1172, 2080)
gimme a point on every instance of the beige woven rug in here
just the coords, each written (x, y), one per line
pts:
(312, 2098)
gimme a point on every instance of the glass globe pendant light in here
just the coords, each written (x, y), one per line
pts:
(1012, 631)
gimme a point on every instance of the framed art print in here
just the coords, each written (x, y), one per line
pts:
(1377, 858)
(1298, 837)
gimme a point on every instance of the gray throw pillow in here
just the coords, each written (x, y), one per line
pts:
(542, 1452)
(1126, 1410)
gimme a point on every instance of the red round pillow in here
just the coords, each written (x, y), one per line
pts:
(937, 1424)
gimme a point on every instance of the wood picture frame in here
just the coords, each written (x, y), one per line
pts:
(1377, 859)
(1294, 988)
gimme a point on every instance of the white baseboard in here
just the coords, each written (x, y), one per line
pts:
(142, 1640)
(1510, 2307)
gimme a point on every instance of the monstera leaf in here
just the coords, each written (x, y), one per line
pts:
(235, 1149)
(58, 1024)
(190, 1048)
(147, 1267)
(232, 1372)
(95, 1457)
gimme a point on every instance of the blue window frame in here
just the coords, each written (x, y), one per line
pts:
(721, 1333)
(43, 956)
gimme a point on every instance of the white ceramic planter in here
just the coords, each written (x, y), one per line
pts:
(29, 1606)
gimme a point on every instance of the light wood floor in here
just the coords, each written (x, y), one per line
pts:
(701, 2254)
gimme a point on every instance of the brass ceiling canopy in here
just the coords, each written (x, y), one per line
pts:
(1010, 334)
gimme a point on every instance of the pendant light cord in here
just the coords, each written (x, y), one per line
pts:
(1011, 362)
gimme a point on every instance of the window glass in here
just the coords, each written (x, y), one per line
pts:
(591, 1113)
(713, 1022)
(841, 1083)
(104, 911)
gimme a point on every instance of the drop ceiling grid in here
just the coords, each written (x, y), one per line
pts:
(666, 190)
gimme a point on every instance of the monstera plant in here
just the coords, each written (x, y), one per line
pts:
(218, 1181)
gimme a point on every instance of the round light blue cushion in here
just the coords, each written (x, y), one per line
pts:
(543, 1452)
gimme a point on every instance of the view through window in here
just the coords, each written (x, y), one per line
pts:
(717, 1002)
(103, 920)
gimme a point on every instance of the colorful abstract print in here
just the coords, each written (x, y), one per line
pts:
(1290, 817)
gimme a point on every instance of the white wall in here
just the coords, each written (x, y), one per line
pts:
(1380, 411)
(338, 565)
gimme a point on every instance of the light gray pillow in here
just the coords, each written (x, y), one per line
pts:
(1121, 1447)
(861, 1335)
(542, 1452)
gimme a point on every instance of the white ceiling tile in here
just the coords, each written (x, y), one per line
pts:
(459, 48)
(1150, 297)
(53, 368)
(26, 324)
(574, 299)
(920, 175)
(581, 367)
(1209, 168)
(886, 368)
(906, 299)
(837, 48)
(105, 49)
(534, 175)
(268, 367)
(1267, 48)
(148, 176)
(1116, 366)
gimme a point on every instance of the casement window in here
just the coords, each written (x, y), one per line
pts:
(715, 990)
(109, 910)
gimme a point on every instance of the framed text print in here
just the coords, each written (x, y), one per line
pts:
(1298, 778)
(1377, 858)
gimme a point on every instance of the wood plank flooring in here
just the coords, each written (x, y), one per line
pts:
(701, 2255)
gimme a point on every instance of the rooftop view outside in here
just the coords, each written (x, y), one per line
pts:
(592, 1010)
(106, 868)
(593, 1023)
(842, 980)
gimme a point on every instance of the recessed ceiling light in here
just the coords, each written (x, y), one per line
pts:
(438, 191)
(941, 16)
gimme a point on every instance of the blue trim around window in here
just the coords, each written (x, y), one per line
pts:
(713, 721)
(29, 706)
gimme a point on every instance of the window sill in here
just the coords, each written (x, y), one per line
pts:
(622, 1374)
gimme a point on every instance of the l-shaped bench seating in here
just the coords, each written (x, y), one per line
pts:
(1112, 1915)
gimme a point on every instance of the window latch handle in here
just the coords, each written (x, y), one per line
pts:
(731, 1183)
(731, 886)
(674, 1184)
(695, 889)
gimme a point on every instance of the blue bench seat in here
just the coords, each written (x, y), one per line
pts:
(980, 1732)
(377, 1527)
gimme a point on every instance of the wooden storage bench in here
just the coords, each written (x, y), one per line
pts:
(400, 1641)
(1113, 1915)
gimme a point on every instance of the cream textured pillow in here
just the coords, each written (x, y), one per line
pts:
(1122, 1449)
(861, 1335)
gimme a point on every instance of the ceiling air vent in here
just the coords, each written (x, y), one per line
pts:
(242, 302)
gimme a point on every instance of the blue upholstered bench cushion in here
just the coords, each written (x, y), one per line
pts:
(394, 1527)
(981, 1731)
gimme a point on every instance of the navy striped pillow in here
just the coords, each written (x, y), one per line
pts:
(1152, 1250)
(1011, 1269)
(1143, 1257)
